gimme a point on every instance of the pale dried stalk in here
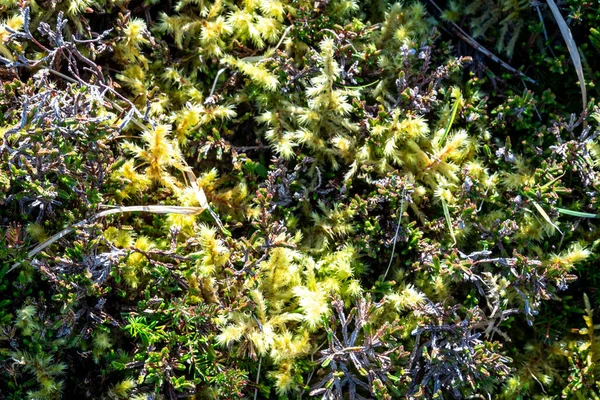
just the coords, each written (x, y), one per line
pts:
(154, 209)
(573, 51)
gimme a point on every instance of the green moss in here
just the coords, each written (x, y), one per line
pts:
(361, 209)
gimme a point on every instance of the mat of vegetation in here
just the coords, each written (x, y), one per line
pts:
(264, 199)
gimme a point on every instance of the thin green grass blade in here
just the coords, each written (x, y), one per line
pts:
(448, 220)
(451, 120)
(576, 213)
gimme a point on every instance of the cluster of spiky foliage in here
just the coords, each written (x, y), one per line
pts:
(328, 203)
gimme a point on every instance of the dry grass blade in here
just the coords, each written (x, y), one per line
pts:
(572, 46)
(545, 215)
(115, 210)
(203, 201)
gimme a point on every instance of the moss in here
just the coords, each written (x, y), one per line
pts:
(356, 207)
